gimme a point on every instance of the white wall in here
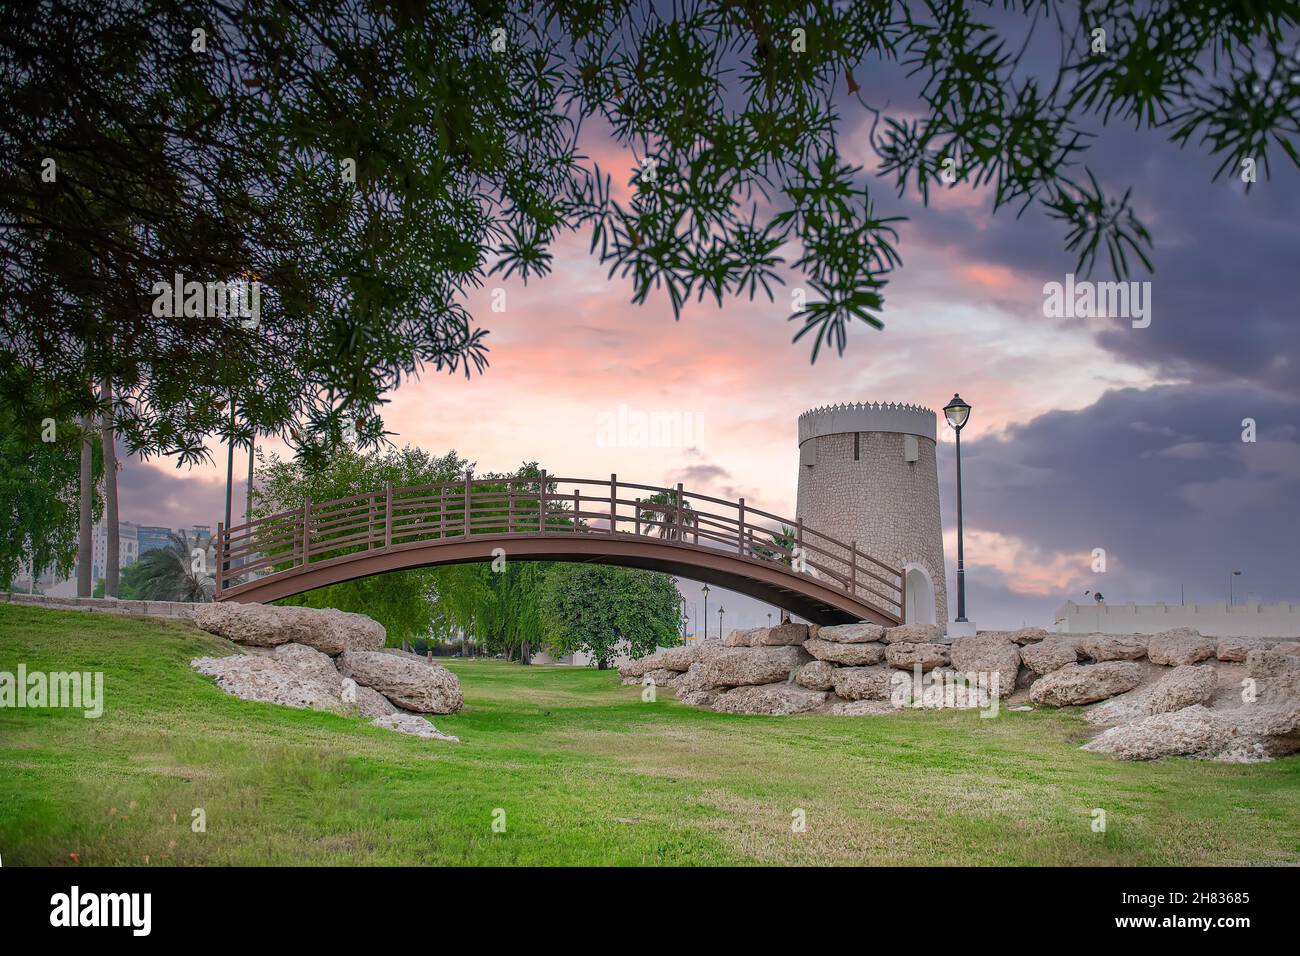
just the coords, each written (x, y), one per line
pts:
(1212, 620)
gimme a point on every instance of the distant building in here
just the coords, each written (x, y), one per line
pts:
(128, 547)
(134, 542)
(153, 538)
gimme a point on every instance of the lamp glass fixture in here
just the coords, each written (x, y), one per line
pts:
(956, 412)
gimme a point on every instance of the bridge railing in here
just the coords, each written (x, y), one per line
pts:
(399, 516)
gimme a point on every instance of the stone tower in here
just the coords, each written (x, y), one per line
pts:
(867, 472)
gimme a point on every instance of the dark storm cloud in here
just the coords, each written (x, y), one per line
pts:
(1161, 479)
(1226, 280)
(173, 498)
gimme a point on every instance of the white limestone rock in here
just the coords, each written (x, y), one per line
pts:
(1050, 654)
(1193, 731)
(988, 654)
(914, 634)
(861, 708)
(310, 661)
(1114, 647)
(863, 683)
(1185, 685)
(1183, 645)
(269, 681)
(638, 667)
(783, 635)
(410, 684)
(848, 655)
(741, 637)
(679, 658)
(815, 675)
(327, 630)
(907, 656)
(778, 699)
(737, 666)
(862, 632)
(1076, 684)
(414, 725)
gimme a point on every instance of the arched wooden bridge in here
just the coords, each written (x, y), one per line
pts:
(777, 560)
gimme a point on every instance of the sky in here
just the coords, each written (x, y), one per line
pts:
(1084, 434)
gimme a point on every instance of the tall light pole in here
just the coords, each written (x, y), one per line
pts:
(957, 412)
(721, 611)
(705, 591)
(1234, 574)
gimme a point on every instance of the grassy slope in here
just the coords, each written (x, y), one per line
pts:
(566, 753)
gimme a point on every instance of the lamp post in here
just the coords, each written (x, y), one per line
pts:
(1234, 574)
(721, 611)
(957, 412)
(705, 591)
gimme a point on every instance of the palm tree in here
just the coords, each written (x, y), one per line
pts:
(667, 515)
(784, 540)
(168, 574)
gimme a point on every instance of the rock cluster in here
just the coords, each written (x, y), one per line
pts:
(1228, 699)
(326, 660)
(849, 669)
(1173, 694)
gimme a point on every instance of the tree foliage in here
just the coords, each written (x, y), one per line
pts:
(39, 488)
(373, 163)
(604, 611)
(402, 601)
(166, 574)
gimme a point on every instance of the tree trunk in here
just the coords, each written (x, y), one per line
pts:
(112, 556)
(85, 581)
(525, 654)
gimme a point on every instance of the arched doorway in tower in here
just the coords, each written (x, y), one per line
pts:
(919, 594)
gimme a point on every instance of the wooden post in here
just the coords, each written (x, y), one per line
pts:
(370, 521)
(678, 533)
(638, 516)
(388, 515)
(613, 503)
(853, 568)
(306, 532)
(469, 479)
(741, 545)
(510, 506)
(442, 509)
(577, 505)
(541, 504)
(216, 579)
(798, 545)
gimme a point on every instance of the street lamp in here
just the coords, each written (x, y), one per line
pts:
(956, 412)
(705, 591)
(1234, 574)
(721, 611)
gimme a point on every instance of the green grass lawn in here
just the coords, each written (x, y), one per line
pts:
(586, 774)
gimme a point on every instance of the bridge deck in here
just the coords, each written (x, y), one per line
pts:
(664, 529)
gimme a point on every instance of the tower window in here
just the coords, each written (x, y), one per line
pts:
(857, 440)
